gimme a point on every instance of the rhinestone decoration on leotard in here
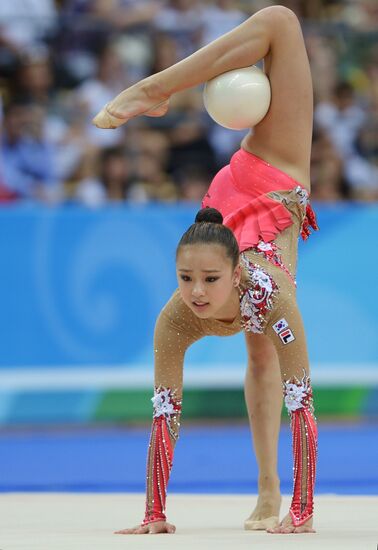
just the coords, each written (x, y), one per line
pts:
(167, 409)
(270, 252)
(303, 195)
(166, 404)
(298, 400)
(300, 196)
(256, 301)
(298, 393)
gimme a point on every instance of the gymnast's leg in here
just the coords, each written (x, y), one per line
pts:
(263, 395)
(272, 34)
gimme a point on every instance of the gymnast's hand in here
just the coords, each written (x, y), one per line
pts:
(150, 529)
(143, 98)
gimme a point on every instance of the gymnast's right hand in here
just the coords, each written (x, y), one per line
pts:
(150, 529)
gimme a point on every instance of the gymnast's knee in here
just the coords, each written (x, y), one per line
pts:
(278, 17)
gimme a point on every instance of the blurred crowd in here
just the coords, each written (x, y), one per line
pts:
(61, 61)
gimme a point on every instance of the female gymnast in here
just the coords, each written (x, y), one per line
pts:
(241, 275)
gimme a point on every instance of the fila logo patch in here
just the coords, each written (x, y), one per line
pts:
(286, 336)
(280, 325)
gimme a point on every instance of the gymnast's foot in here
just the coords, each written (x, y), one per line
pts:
(150, 529)
(286, 526)
(143, 98)
(266, 514)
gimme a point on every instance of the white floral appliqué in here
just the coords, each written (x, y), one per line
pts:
(264, 247)
(257, 299)
(167, 405)
(293, 397)
(163, 405)
(270, 252)
(298, 394)
(262, 279)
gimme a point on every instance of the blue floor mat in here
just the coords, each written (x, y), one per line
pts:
(208, 459)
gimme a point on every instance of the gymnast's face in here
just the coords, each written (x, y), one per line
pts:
(208, 281)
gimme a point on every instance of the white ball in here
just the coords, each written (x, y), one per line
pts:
(238, 99)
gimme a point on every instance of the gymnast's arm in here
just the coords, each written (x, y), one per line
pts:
(175, 330)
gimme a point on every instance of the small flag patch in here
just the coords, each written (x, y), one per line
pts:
(280, 325)
(286, 336)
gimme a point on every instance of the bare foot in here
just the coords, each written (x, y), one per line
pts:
(266, 514)
(150, 529)
(286, 526)
(143, 98)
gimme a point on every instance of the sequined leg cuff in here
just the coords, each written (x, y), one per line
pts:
(298, 400)
(160, 453)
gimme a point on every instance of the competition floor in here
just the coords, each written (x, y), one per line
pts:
(70, 489)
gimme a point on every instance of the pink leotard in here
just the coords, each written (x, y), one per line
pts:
(240, 191)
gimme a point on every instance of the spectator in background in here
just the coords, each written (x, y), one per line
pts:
(361, 15)
(326, 169)
(342, 118)
(95, 92)
(126, 14)
(354, 138)
(151, 182)
(147, 141)
(181, 20)
(79, 39)
(25, 24)
(219, 17)
(109, 181)
(131, 22)
(323, 61)
(28, 159)
(89, 24)
(61, 128)
(34, 78)
(165, 52)
(193, 182)
(120, 177)
(361, 167)
(188, 135)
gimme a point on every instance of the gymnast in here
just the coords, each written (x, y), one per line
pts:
(240, 274)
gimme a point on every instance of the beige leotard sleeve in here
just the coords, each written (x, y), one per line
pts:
(177, 327)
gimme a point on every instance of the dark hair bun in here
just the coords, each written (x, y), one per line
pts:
(210, 215)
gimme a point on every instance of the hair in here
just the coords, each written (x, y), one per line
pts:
(208, 228)
(343, 88)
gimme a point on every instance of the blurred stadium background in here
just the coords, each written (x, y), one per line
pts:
(89, 219)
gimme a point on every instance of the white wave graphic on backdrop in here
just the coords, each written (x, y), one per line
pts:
(76, 311)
